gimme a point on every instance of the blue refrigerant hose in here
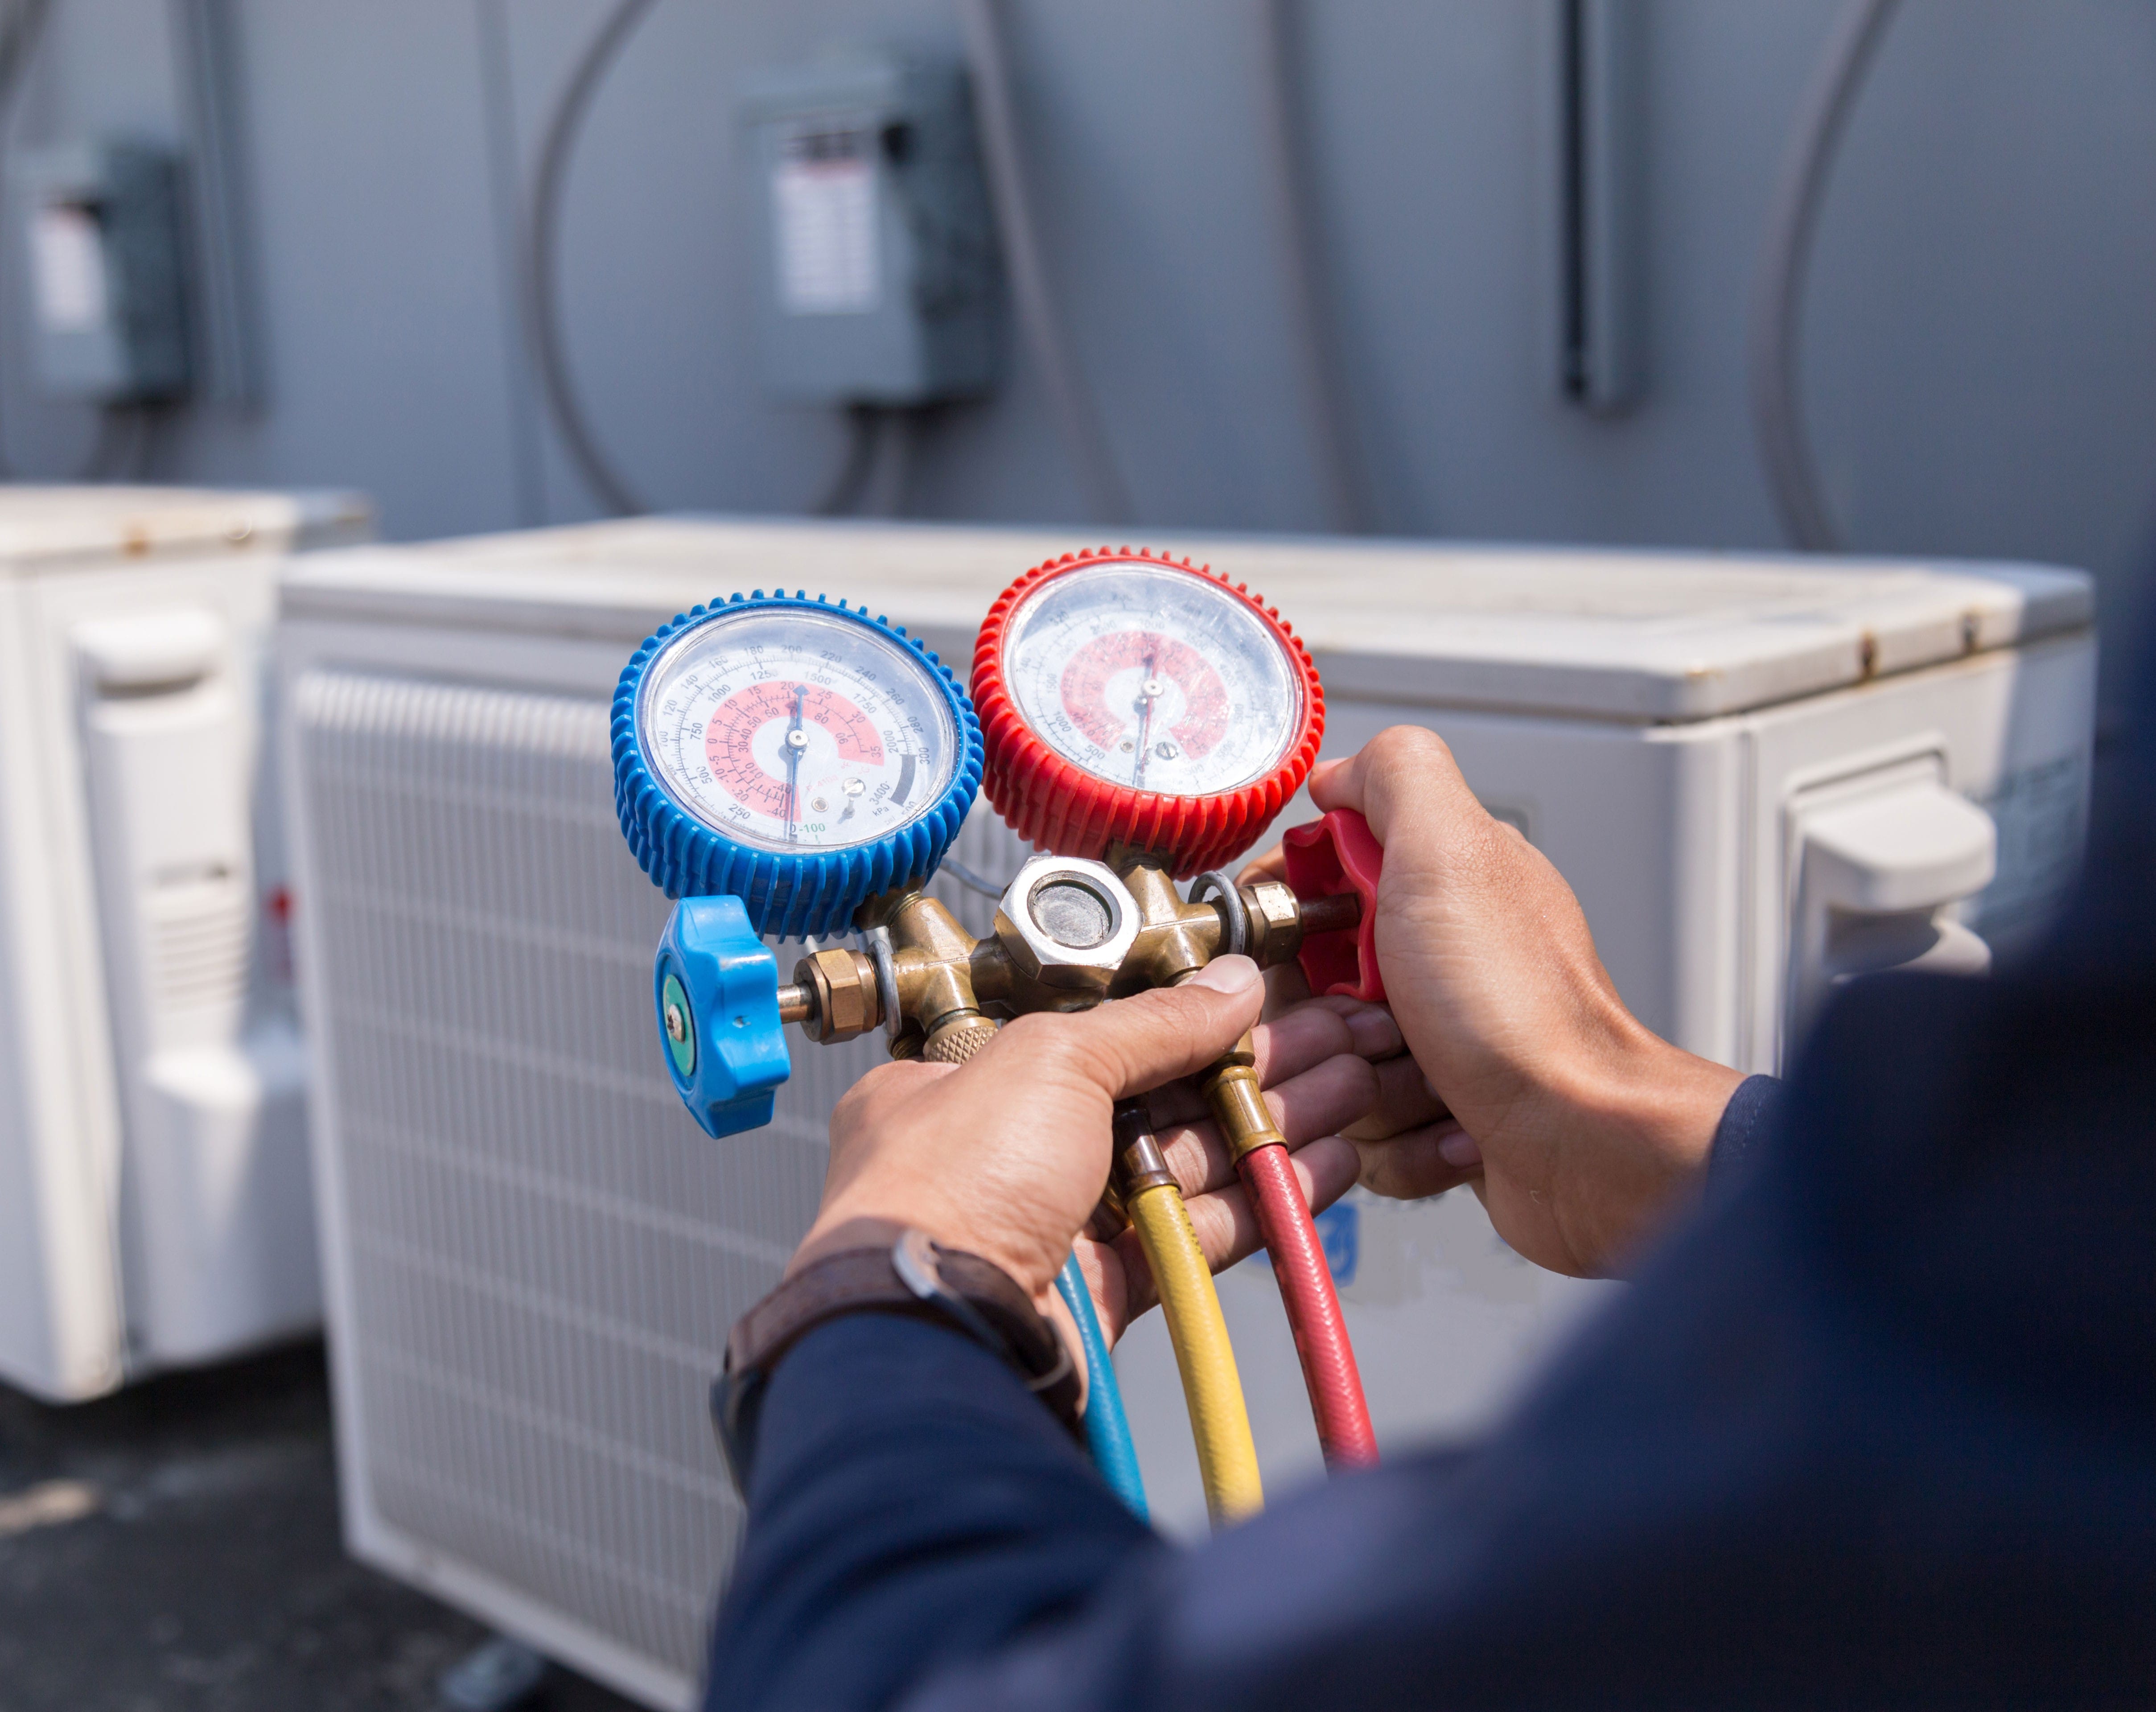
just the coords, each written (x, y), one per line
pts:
(1107, 1429)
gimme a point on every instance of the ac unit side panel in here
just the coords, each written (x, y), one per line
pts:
(2012, 731)
(198, 1038)
(1606, 806)
(62, 1330)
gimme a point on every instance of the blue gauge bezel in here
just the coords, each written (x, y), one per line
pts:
(787, 894)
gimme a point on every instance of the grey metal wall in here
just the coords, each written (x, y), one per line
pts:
(1981, 350)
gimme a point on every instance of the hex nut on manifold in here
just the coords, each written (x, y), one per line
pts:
(1276, 920)
(845, 984)
(1068, 923)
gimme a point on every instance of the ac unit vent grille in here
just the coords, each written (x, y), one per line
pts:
(544, 1253)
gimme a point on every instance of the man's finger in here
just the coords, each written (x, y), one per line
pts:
(1271, 865)
(1285, 988)
(1226, 1224)
(1226, 1227)
(1320, 1102)
(1419, 1163)
(1401, 761)
(1404, 1102)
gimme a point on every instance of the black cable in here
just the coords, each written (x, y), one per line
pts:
(542, 302)
(1777, 410)
(843, 496)
(122, 431)
(542, 233)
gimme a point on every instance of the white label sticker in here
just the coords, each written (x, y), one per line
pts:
(823, 205)
(67, 254)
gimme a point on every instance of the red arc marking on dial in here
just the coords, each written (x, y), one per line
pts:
(1085, 681)
(741, 715)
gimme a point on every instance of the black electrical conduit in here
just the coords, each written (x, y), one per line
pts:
(1793, 217)
(1071, 400)
(542, 299)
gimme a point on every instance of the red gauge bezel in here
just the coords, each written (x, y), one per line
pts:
(1057, 806)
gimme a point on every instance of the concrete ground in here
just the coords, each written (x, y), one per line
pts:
(174, 1548)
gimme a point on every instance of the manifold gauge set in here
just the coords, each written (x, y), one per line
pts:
(789, 767)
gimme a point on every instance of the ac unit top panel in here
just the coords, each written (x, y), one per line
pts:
(1629, 636)
(48, 531)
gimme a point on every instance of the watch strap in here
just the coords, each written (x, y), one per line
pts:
(976, 1298)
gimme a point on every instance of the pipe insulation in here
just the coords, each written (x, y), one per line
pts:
(1777, 301)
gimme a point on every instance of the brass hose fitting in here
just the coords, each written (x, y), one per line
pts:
(1139, 1163)
(1238, 1102)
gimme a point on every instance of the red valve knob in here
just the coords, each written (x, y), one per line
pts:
(1325, 857)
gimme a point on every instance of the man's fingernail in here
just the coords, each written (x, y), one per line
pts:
(1228, 974)
(1458, 1149)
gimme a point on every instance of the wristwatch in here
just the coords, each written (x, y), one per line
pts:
(915, 1277)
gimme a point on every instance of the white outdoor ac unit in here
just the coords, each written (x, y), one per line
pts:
(1758, 774)
(154, 1201)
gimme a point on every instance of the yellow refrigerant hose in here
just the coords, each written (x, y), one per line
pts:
(1213, 1391)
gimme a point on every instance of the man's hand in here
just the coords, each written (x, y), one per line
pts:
(1580, 1129)
(1005, 1155)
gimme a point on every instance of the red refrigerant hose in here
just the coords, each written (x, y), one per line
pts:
(1313, 1309)
(1335, 854)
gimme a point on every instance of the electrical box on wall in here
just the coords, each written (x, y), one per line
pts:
(878, 278)
(107, 301)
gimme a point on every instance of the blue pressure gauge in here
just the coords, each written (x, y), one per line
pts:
(798, 756)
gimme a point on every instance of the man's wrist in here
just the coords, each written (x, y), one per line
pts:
(1641, 1131)
(835, 1235)
(909, 1274)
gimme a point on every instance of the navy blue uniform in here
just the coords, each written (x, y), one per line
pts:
(1876, 1427)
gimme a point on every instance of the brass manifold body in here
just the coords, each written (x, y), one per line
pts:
(1069, 933)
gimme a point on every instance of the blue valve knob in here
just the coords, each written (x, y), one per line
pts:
(716, 985)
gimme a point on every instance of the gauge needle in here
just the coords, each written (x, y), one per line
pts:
(797, 740)
(1148, 693)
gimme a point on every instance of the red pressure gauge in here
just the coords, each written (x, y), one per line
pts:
(1129, 697)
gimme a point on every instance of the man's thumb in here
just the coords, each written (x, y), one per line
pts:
(1154, 1037)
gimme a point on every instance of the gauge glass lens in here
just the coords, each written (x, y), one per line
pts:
(790, 730)
(1153, 678)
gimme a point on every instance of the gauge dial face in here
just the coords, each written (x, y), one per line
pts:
(791, 730)
(1153, 678)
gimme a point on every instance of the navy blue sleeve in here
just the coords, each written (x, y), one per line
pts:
(1740, 1137)
(911, 1503)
